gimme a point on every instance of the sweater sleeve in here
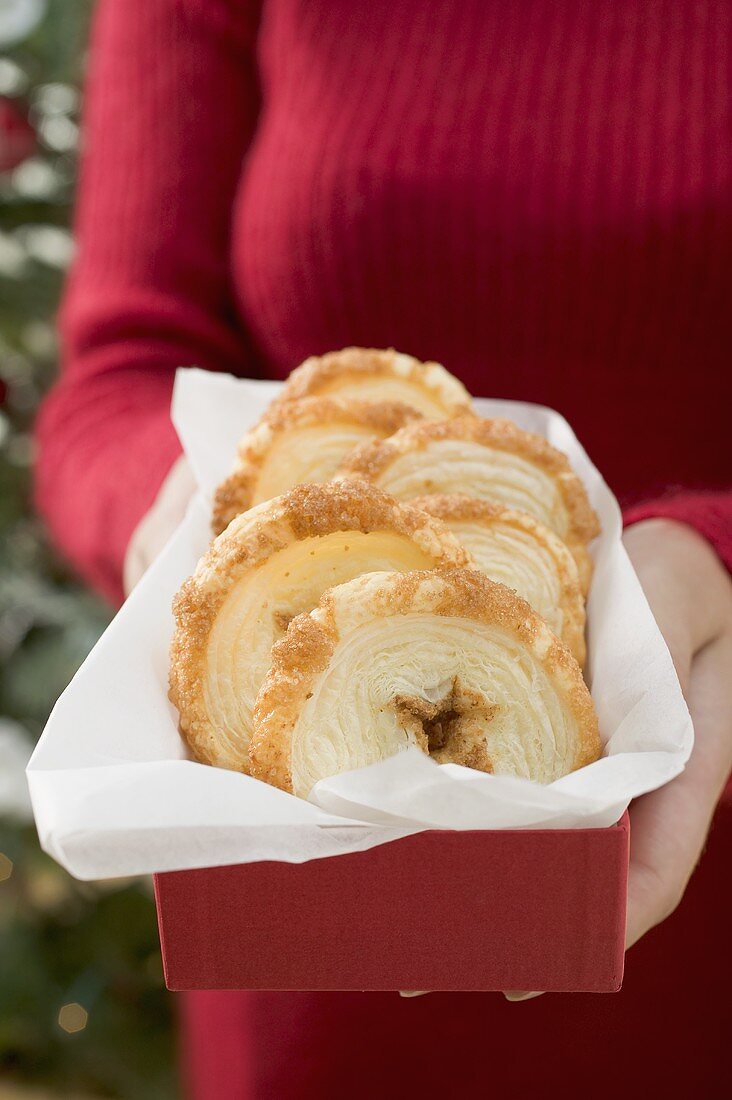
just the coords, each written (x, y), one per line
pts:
(710, 513)
(170, 107)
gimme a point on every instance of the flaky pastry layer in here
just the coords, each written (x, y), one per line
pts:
(298, 442)
(270, 564)
(446, 660)
(488, 459)
(517, 550)
(380, 375)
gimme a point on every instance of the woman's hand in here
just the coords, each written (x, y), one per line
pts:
(690, 594)
(157, 525)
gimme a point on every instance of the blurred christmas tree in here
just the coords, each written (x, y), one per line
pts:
(82, 1005)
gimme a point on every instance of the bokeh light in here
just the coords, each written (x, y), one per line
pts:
(72, 1017)
(6, 867)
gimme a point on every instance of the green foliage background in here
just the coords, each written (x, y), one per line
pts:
(60, 941)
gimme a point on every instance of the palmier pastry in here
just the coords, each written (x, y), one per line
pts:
(372, 375)
(270, 564)
(520, 552)
(488, 459)
(445, 660)
(298, 442)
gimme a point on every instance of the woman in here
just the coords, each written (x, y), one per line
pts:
(533, 194)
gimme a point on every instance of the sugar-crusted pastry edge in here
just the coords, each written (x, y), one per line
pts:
(250, 539)
(318, 372)
(458, 506)
(370, 460)
(235, 494)
(304, 653)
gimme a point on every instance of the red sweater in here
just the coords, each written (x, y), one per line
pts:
(536, 194)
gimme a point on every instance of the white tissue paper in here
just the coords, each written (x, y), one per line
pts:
(114, 792)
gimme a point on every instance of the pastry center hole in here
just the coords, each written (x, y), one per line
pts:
(453, 730)
(441, 729)
(282, 620)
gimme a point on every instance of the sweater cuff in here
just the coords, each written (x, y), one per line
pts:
(709, 513)
(94, 491)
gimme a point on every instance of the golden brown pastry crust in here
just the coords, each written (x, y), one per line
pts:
(307, 511)
(454, 508)
(323, 374)
(372, 460)
(307, 648)
(236, 493)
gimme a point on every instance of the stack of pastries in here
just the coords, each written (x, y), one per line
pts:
(389, 570)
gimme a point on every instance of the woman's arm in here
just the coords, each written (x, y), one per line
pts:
(171, 106)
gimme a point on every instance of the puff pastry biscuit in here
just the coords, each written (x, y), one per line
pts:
(443, 659)
(373, 375)
(270, 564)
(488, 459)
(520, 552)
(298, 442)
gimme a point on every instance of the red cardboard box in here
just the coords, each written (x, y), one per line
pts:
(480, 910)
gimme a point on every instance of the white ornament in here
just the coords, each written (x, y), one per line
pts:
(18, 18)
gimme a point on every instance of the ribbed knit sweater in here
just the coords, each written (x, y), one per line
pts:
(536, 194)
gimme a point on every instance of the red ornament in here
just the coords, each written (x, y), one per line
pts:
(17, 136)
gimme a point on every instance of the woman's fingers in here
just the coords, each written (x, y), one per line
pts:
(689, 593)
(669, 826)
(156, 527)
(686, 584)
